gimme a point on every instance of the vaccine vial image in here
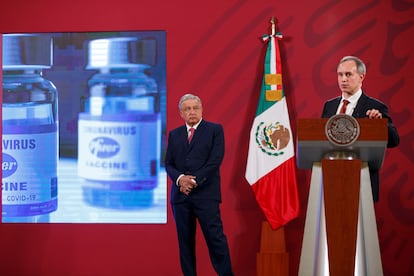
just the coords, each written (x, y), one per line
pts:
(29, 130)
(119, 128)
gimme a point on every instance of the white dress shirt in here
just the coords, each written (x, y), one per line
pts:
(352, 103)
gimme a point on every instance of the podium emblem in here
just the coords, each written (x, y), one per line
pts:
(342, 130)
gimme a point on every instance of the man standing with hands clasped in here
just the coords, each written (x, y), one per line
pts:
(193, 158)
(353, 101)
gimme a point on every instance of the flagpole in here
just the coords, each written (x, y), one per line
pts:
(272, 21)
(272, 258)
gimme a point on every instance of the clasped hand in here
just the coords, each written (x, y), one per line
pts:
(187, 184)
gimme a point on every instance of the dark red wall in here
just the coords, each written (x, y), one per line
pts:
(214, 50)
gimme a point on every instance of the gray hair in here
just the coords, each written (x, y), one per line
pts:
(188, 97)
(361, 68)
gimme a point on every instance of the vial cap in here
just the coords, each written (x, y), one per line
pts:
(117, 52)
(27, 51)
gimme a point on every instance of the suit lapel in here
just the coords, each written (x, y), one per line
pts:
(183, 135)
(197, 134)
(333, 107)
(199, 131)
(360, 107)
(337, 103)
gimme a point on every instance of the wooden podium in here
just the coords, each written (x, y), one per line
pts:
(340, 235)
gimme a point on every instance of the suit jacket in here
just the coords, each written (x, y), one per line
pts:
(364, 104)
(201, 158)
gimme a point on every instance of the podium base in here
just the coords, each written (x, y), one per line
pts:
(314, 256)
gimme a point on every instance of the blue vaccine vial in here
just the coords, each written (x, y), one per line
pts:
(29, 130)
(119, 132)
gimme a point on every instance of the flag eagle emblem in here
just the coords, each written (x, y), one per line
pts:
(272, 138)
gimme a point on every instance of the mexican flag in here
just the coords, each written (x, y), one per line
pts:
(271, 169)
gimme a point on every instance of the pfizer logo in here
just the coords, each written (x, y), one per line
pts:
(104, 147)
(8, 165)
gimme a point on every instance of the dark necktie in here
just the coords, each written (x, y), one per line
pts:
(190, 137)
(343, 108)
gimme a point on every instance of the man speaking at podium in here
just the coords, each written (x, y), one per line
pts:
(353, 101)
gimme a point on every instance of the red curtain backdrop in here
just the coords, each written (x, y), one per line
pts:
(214, 50)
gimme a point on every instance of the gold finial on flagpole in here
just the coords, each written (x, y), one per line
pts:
(273, 22)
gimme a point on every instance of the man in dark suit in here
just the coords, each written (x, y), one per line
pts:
(351, 73)
(192, 161)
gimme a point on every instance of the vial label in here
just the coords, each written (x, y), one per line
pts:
(119, 148)
(29, 170)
